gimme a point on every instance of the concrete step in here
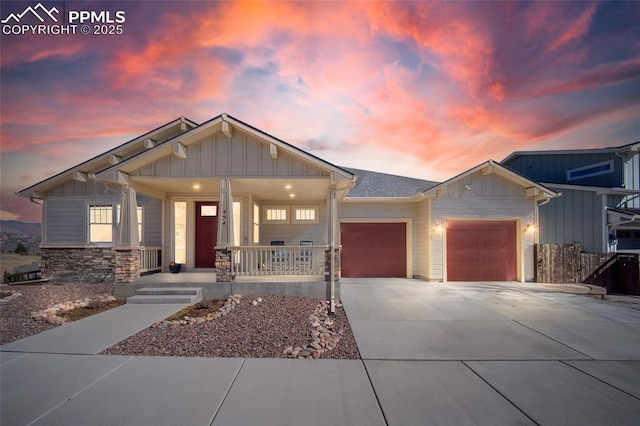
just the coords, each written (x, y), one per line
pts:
(150, 291)
(182, 295)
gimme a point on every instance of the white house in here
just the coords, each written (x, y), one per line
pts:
(225, 199)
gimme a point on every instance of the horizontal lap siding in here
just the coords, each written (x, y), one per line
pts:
(292, 234)
(65, 221)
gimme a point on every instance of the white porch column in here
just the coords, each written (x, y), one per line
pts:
(225, 215)
(128, 228)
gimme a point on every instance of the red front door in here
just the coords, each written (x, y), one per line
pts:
(206, 233)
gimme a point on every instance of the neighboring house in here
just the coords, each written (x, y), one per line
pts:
(224, 197)
(600, 203)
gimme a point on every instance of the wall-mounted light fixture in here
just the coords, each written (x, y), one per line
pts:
(530, 228)
(438, 228)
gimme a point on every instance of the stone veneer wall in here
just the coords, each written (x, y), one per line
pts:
(79, 264)
(327, 265)
(223, 266)
(127, 264)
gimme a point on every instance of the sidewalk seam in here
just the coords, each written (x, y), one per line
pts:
(551, 338)
(69, 398)
(597, 378)
(499, 393)
(373, 388)
(226, 394)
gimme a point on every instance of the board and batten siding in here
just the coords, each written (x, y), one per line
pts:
(399, 211)
(632, 180)
(238, 156)
(554, 167)
(576, 216)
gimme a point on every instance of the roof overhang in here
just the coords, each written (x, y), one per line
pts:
(533, 189)
(632, 148)
(105, 160)
(599, 190)
(619, 217)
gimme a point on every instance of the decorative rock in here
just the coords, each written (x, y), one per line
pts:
(254, 303)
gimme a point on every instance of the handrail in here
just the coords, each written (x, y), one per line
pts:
(277, 260)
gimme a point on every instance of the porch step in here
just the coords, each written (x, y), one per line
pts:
(188, 295)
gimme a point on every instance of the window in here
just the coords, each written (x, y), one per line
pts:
(180, 232)
(276, 214)
(208, 211)
(100, 223)
(256, 224)
(237, 220)
(590, 170)
(305, 214)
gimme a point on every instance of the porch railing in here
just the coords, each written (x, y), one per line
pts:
(150, 259)
(277, 260)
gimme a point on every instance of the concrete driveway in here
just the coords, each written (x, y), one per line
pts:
(495, 353)
(433, 354)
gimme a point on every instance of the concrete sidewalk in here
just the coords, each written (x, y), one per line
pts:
(433, 353)
(93, 334)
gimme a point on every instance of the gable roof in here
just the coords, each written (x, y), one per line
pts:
(215, 124)
(101, 161)
(371, 184)
(492, 166)
(631, 147)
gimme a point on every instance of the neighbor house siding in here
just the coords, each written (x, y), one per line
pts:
(632, 180)
(554, 167)
(576, 216)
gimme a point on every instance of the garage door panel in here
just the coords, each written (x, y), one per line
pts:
(481, 251)
(374, 249)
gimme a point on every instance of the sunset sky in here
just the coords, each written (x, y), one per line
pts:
(422, 89)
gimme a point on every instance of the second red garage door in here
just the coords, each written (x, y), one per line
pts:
(374, 249)
(481, 251)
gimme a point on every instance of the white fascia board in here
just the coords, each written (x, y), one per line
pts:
(381, 199)
(597, 189)
(89, 165)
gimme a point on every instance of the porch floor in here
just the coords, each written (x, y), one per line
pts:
(292, 285)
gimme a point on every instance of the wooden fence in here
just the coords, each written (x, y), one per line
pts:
(568, 263)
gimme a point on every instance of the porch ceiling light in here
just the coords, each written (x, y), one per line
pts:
(287, 186)
(196, 186)
(292, 195)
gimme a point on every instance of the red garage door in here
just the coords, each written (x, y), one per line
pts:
(481, 251)
(374, 249)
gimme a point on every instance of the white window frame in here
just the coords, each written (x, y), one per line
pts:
(591, 166)
(316, 214)
(256, 223)
(111, 221)
(266, 218)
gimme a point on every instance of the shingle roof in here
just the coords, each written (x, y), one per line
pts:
(381, 185)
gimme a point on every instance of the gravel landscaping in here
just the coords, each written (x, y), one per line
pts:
(263, 330)
(273, 327)
(15, 315)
